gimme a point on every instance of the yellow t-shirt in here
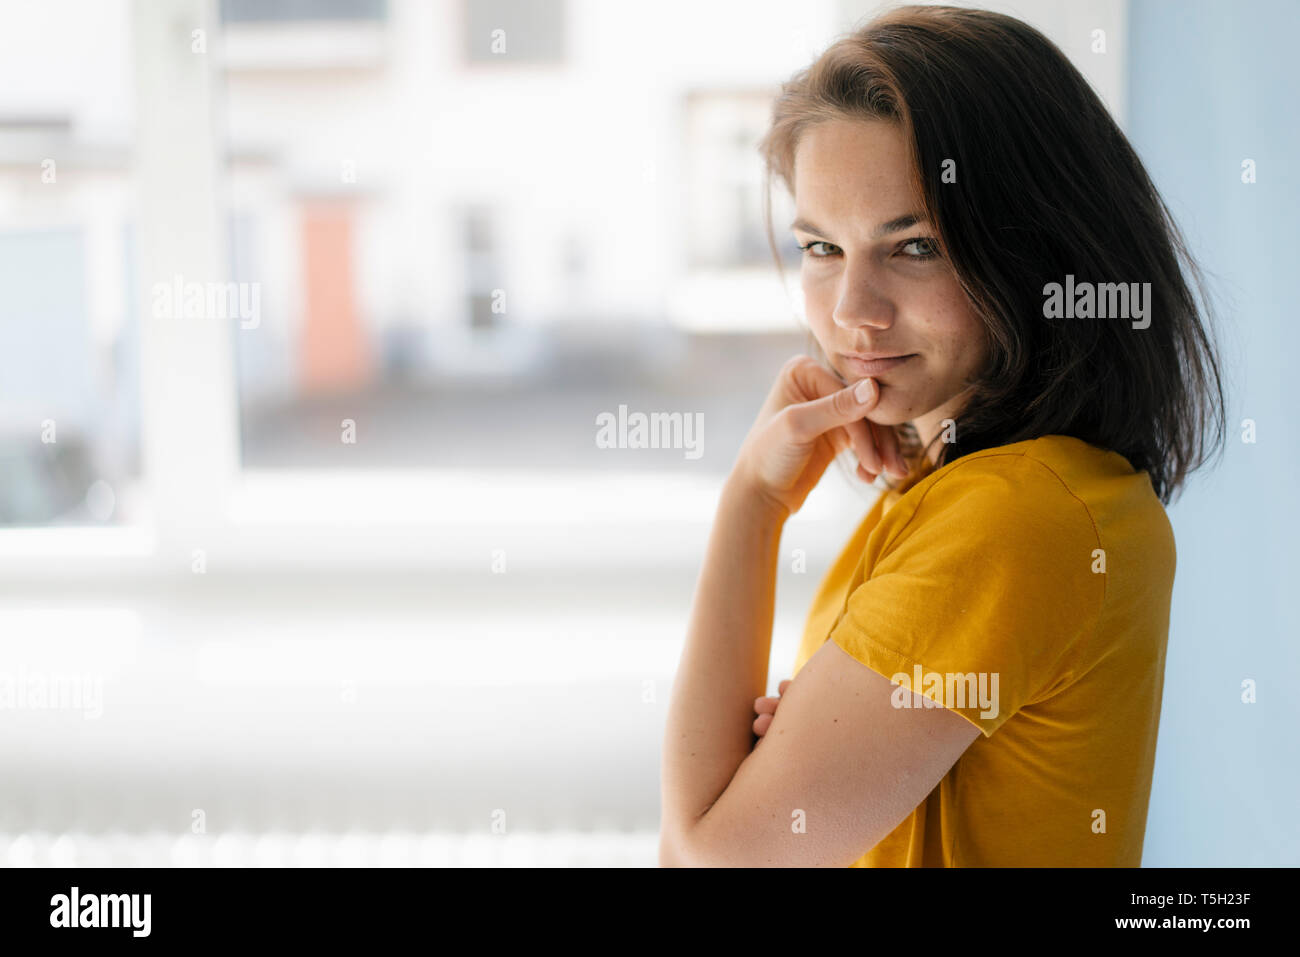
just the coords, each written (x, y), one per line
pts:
(1041, 572)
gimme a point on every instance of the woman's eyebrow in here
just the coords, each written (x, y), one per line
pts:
(884, 229)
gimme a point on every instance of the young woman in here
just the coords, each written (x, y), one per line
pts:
(1001, 303)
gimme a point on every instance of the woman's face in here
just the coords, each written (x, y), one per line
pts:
(872, 284)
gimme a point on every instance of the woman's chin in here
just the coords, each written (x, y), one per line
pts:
(889, 413)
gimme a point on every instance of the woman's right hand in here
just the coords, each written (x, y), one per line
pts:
(809, 417)
(765, 708)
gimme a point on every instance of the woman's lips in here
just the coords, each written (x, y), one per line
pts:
(865, 367)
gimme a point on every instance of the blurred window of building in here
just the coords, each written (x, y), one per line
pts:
(483, 269)
(725, 188)
(514, 31)
(256, 11)
(69, 340)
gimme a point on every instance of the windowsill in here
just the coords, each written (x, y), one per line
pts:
(76, 542)
(298, 45)
(739, 299)
(436, 520)
(469, 497)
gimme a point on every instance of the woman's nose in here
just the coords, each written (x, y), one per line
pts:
(860, 304)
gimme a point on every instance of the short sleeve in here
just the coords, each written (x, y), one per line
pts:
(973, 593)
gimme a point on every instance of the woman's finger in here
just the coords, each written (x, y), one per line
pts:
(808, 420)
(887, 444)
(810, 380)
(864, 445)
(766, 708)
(817, 383)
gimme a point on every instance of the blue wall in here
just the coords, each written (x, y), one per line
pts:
(1212, 83)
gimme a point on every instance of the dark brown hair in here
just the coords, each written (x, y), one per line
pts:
(1046, 185)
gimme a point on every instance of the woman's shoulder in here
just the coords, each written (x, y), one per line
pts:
(1058, 485)
(1049, 461)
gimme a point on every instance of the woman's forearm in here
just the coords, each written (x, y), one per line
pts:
(724, 663)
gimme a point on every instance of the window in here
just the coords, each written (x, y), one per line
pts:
(252, 11)
(724, 199)
(483, 268)
(69, 337)
(514, 31)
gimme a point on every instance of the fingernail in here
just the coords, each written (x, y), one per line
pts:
(863, 392)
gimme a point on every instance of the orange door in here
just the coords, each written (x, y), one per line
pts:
(336, 354)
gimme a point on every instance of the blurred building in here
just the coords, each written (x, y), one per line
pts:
(442, 212)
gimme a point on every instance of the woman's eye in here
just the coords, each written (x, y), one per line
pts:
(928, 248)
(807, 247)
